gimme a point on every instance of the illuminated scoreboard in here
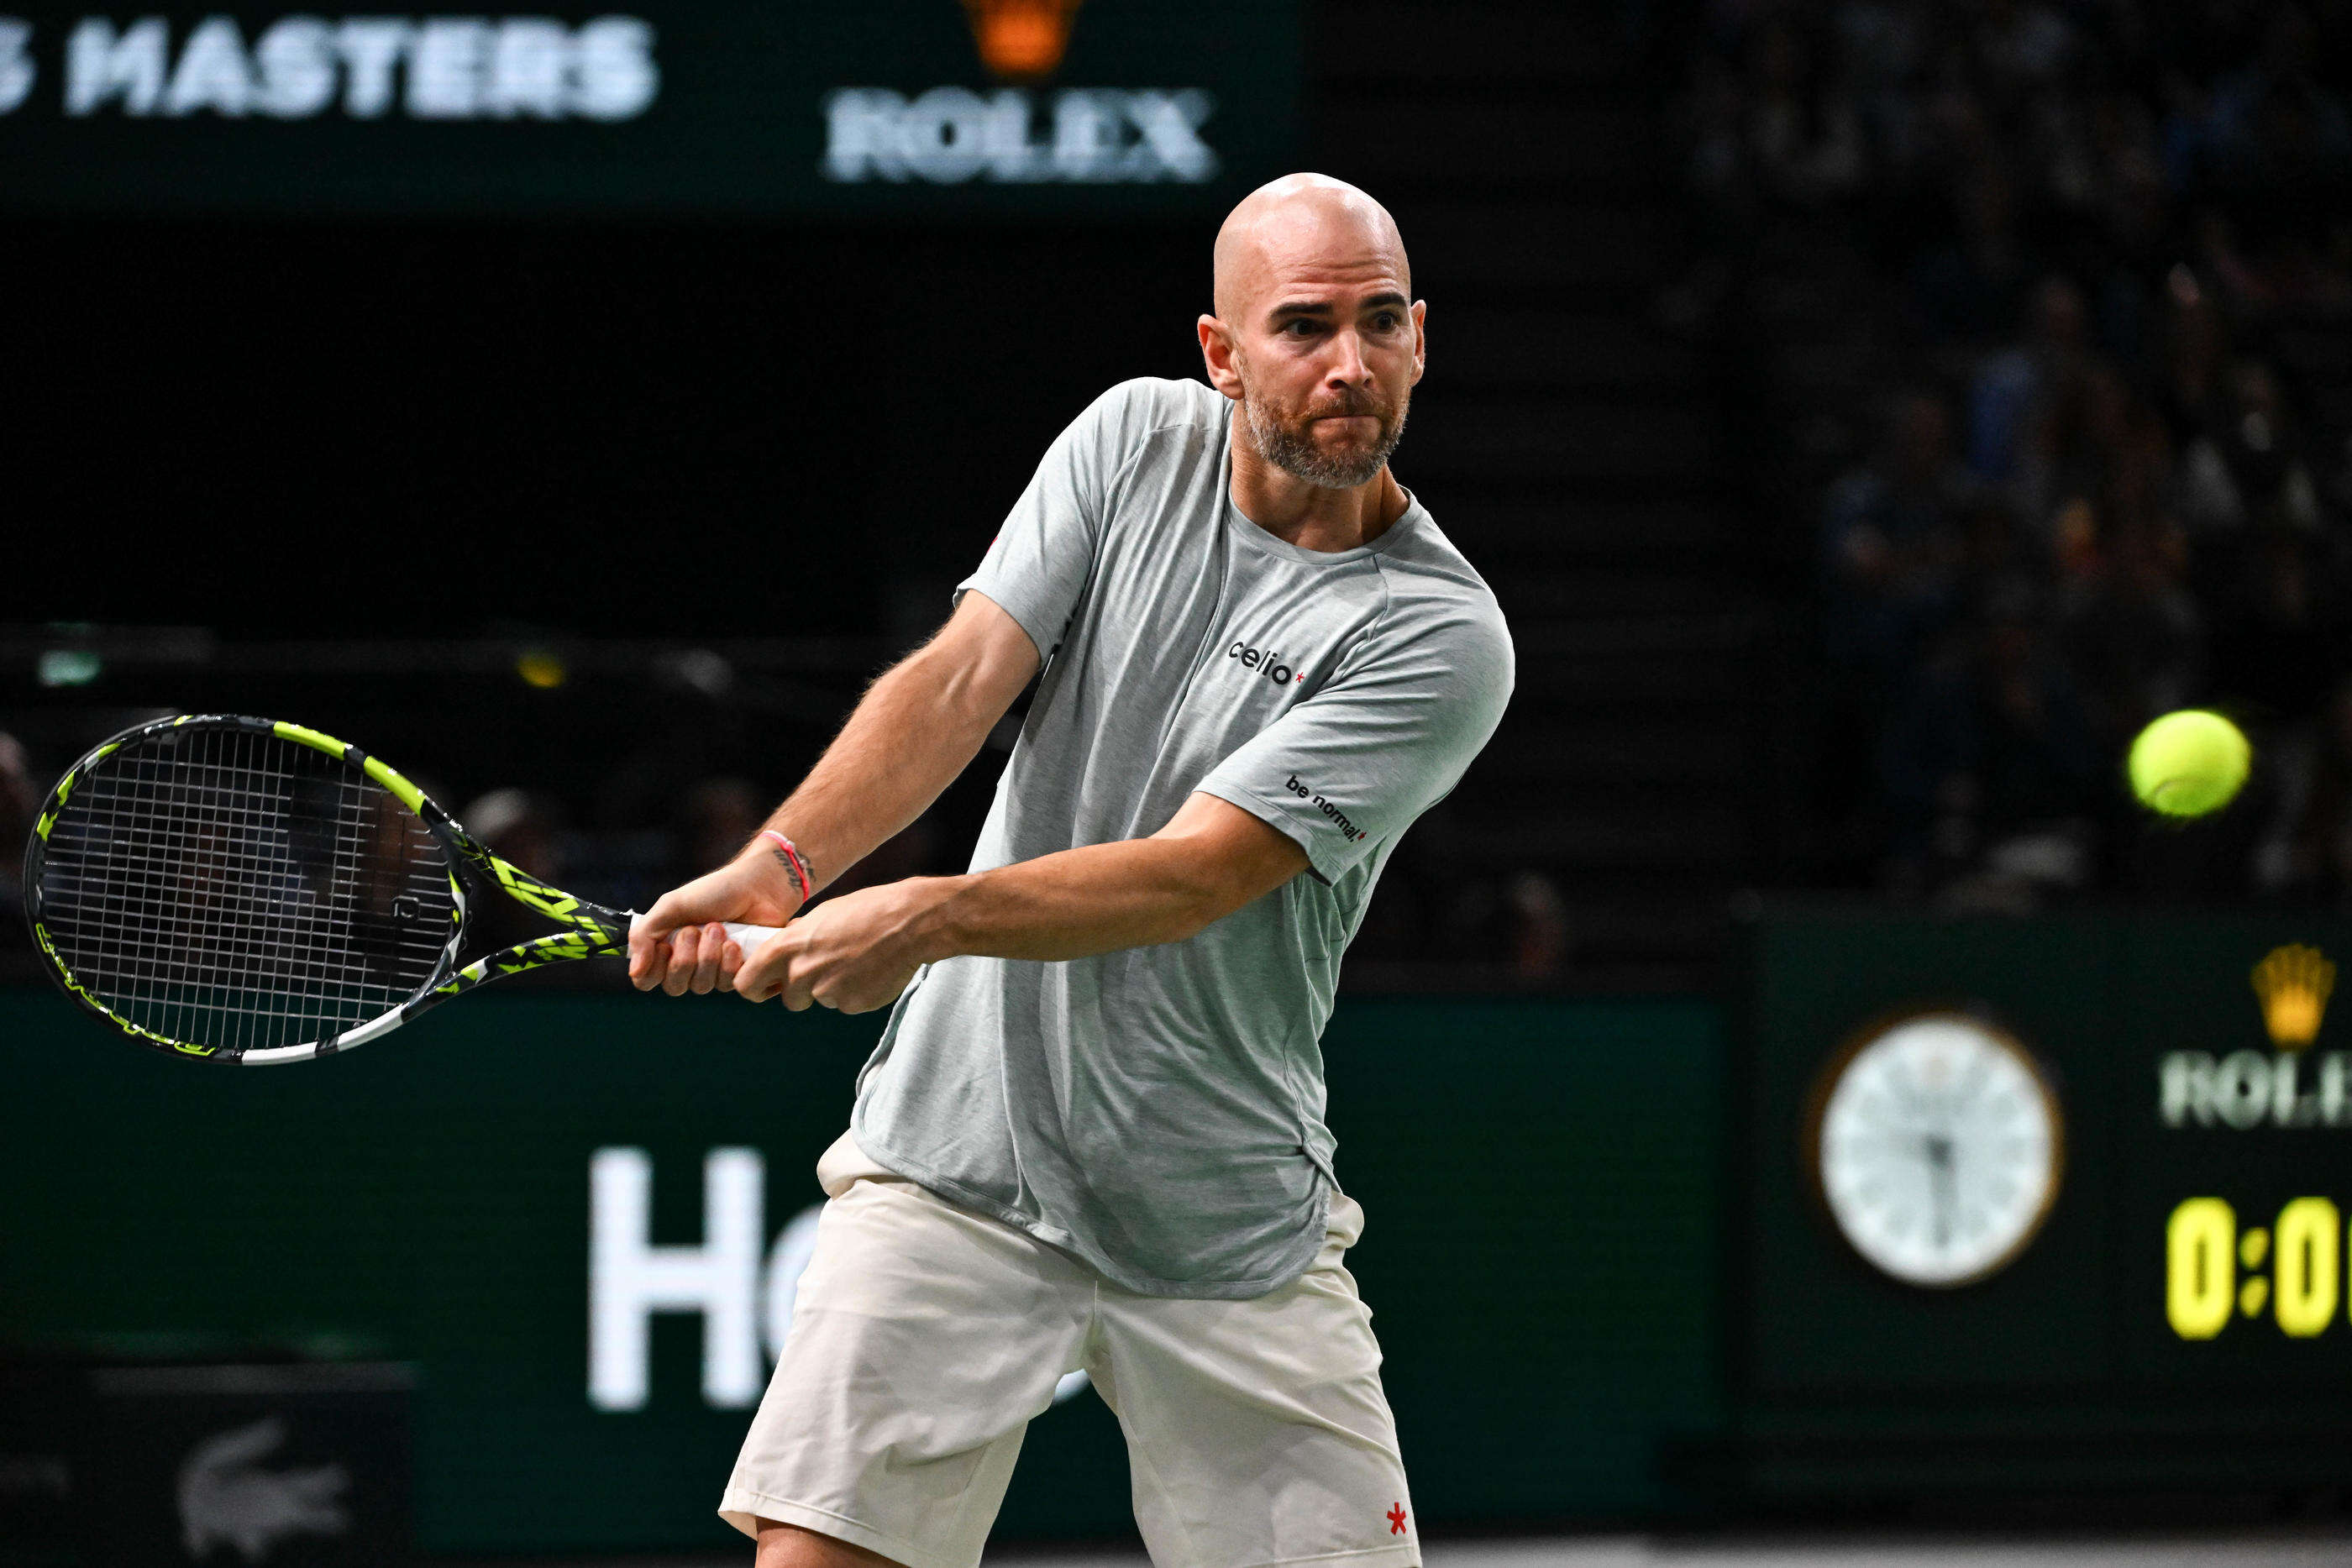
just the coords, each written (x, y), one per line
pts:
(2057, 1204)
(886, 110)
(2205, 1248)
(2247, 1141)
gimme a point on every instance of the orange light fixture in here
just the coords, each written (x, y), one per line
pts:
(1022, 40)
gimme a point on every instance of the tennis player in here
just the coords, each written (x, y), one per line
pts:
(1092, 1135)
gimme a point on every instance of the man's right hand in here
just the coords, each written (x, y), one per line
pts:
(914, 730)
(681, 942)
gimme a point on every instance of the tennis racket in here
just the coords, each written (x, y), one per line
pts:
(232, 889)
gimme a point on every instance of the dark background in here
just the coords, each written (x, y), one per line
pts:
(695, 430)
(607, 429)
(1868, 415)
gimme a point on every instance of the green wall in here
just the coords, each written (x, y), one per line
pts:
(1540, 1178)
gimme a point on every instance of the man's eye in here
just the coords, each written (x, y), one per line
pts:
(1386, 321)
(1298, 327)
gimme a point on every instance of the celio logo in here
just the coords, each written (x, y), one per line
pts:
(1268, 665)
(952, 135)
(2249, 1088)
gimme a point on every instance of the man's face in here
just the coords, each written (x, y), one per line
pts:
(1327, 351)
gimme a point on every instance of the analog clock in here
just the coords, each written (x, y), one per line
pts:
(1937, 1144)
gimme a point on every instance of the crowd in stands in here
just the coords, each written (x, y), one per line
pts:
(2047, 309)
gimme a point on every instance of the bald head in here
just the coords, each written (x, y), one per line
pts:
(1299, 227)
(1317, 336)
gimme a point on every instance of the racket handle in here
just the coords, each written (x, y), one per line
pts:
(752, 938)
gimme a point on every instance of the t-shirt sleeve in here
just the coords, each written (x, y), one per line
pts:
(1387, 738)
(1038, 564)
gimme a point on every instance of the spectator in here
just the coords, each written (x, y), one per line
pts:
(2021, 47)
(1992, 760)
(1890, 544)
(720, 816)
(1777, 128)
(2272, 131)
(2196, 351)
(2310, 858)
(2247, 465)
(20, 802)
(525, 829)
(522, 828)
(1803, 135)
(2280, 640)
(1973, 288)
(2134, 632)
(2028, 404)
(1539, 931)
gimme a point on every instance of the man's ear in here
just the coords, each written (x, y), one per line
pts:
(1420, 340)
(1217, 355)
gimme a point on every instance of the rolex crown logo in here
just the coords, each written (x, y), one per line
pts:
(2293, 983)
(1020, 41)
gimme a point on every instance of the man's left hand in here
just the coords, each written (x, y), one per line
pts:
(854, 953)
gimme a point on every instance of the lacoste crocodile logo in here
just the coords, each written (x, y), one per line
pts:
(225, 1498)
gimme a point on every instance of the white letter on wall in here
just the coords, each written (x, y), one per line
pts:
(786, 1261)
(99, 66)
(17, 71)
(296, 61)
(629, 1279)
(212, 73)
(446, 66)
(613, 73)
(372, 48)
(861, 140)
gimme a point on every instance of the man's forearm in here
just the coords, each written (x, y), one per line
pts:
(859, 952)
(1077, 903)
(916, 728)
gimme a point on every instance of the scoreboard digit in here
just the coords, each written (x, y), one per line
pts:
(2204, 1251)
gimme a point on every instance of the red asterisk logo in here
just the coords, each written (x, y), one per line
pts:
(1396, 1519)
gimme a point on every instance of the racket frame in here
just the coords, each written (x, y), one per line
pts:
(588, 930)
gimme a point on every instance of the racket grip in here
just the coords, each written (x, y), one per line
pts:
(750, 938)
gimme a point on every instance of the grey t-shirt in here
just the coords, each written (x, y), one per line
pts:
(1158, 1111)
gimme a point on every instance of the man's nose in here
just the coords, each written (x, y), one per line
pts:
(1348, 365)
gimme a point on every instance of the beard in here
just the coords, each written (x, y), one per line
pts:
(1290, 445)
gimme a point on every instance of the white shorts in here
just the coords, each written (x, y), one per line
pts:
(925, 1337)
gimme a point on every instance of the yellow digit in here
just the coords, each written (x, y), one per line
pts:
(2200, 1266)
(2307, 1242)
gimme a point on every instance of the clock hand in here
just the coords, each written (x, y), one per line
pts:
(1939, 1183)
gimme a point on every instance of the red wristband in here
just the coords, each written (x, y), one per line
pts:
(791, 858)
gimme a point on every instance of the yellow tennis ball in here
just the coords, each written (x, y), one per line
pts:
(2189, 763)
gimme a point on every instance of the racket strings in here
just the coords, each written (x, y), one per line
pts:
(231, 888)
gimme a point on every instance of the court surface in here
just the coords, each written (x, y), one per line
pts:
(2298, 1549)
(1854, 1551)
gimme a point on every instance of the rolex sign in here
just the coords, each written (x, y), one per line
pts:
(893, 109)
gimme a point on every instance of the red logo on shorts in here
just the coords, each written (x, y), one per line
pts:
(1396, 1519)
